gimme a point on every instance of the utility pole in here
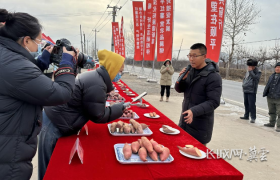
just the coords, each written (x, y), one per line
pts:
(114, 14)
(95, 53)
(84, 43)
(87, 47)
(81, 38)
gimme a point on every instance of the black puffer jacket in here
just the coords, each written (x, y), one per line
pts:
(24, 89)
(250, 83)
(87, 103)
(202, 96)
(275, 90)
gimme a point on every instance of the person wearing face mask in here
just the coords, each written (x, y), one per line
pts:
(166, 72)
(24, 90)
(87, 103)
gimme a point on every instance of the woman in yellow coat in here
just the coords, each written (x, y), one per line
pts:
(166, 78)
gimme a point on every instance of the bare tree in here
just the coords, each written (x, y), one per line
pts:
(275, 54)
(239, 16)
(262, 55)
(129, 38)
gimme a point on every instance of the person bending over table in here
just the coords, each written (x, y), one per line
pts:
(87, 103)
(202, 88)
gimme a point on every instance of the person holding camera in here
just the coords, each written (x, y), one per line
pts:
(202, 88)
(272, 91)
(250, 88)
(24, 90)
(166, 72)
(87, 103)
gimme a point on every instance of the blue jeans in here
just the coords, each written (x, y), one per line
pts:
(47, 140)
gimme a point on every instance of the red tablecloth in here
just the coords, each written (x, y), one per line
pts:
(100, 160)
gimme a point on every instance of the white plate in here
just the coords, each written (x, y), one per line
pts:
(176, 131)
(135, 159)
(148, 115)
(142, 106)
(135, 117)
(146, 132)
(193, 157)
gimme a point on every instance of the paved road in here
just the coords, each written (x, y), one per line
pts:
(232, 90)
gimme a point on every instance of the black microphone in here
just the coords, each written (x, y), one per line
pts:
(184, 73)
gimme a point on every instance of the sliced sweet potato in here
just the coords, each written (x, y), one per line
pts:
(147, 144)
(113, 127)
(127, 152)
(151, 114)
(142, 154)
(191, 151)
(189, 146)
(167, 129)
(165, 153)
(135, 146)
(154, 114)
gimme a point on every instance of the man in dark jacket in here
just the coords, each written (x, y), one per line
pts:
(272, 91)
(250, 88)
(87, 103)
(202, 88)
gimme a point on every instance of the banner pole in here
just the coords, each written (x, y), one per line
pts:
(132, 71)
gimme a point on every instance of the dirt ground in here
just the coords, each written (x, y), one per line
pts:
(230, 133)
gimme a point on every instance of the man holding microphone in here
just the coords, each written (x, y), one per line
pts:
(202, 88)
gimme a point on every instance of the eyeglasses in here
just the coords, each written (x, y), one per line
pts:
(194, 56)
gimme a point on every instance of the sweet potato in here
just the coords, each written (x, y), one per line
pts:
(135, 146)
(147, 144)
(154, 114)
(127, 152)
(121, 130)
(191, 151)
(157, 147)
(134, 123)
(165, 153)
(126, 129)
(151, 114)
(167, 129)
(154, 156)
(133, 130)
(140, 142)
(189, 146)
(139, 129)
(120, 124)
(113, 127)
(144, 126)
(142, 154)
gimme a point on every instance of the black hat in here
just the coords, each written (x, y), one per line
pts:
(277, 64)
(252, 62)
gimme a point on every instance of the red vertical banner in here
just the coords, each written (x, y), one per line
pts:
(214, 28)
(116, 36)
(150, 30)
(138, 30)
(122, 45)
(164, 29)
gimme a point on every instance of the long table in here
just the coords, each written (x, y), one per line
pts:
(100, 160)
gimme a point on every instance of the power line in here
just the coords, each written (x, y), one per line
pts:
(255, 41)
(69, 14)
(105, 24)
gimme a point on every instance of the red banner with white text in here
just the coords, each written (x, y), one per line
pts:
(122, 45)
(214, 28)
(116, 36)
(138, 29)
(164, 29)
(150, 30)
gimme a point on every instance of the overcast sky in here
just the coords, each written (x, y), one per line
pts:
(62, 19)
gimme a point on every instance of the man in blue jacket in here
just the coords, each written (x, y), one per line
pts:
(250, 88)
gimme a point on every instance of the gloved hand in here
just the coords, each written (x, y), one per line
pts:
(43, 61)
(125, 105)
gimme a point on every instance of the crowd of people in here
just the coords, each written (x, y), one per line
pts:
(34, 105)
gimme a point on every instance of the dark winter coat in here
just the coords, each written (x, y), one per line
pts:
(24, 89)
(202, 96)
(275, 91)
(87, 103)
(250, 83)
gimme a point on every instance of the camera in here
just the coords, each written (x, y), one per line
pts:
(252, 62)
(56, 55)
